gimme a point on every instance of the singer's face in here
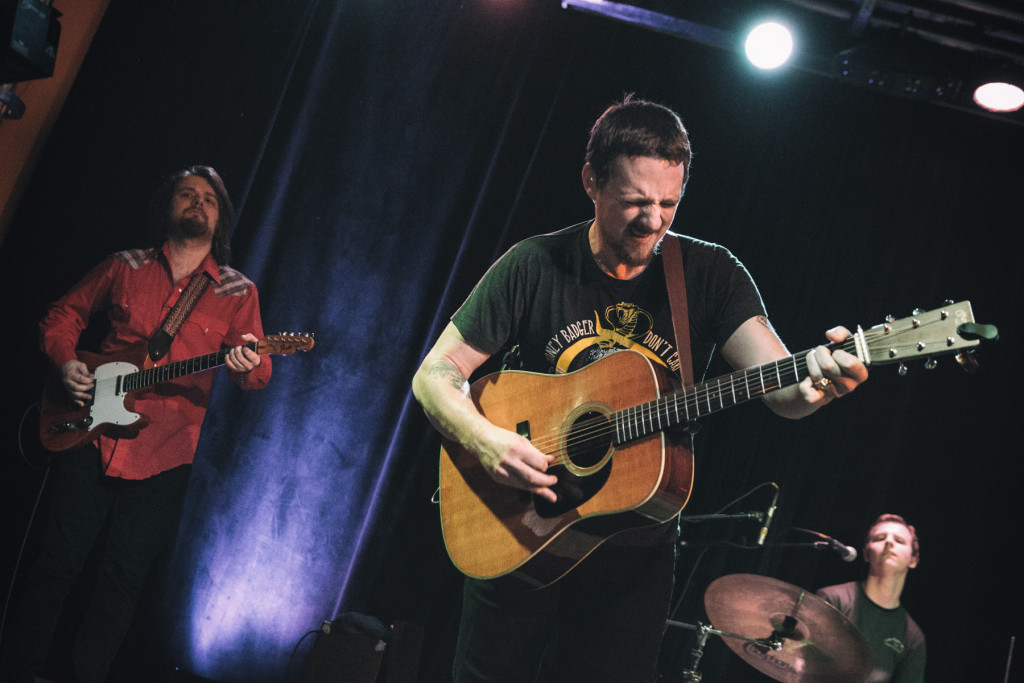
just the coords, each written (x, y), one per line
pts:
(633, 209)
(890, 547)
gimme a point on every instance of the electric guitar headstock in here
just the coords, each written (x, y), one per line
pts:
(285, 343)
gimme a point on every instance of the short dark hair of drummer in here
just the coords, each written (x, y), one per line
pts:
(914, 545)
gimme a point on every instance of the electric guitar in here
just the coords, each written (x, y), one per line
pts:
(64, 426)
(617, 467)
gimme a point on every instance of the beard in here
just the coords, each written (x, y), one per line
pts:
(188, 227)
(633, 255)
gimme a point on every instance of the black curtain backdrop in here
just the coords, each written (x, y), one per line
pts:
(381, 155)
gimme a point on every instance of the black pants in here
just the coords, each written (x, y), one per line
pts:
(604, 621)
(134, 520)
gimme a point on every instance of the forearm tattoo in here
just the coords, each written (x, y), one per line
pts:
(444, 370)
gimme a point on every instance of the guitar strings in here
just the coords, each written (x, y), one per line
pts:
(786, 370)
(674, 408)
(159, 373)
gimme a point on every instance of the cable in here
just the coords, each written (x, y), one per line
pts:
(700, 557)
(291, 657)
(28, 527)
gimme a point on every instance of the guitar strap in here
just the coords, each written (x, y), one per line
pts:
(672, 261)
(160, 344)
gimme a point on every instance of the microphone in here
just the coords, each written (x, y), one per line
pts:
(768, 516)
(846, 553)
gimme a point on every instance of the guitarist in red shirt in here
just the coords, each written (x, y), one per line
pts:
(131, 482)
(565, 300)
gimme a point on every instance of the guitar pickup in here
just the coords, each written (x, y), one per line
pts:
(67, 427)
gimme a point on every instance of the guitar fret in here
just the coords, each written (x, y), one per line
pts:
(657, 415)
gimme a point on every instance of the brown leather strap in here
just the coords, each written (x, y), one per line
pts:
(672, 261)
(160, 344)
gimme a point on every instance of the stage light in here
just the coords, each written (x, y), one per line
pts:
(999, 97)
(768, 45)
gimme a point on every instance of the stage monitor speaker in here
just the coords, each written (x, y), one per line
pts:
(29, 35)
(339, 656)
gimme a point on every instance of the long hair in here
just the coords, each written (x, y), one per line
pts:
(637, 128)
(160, 209)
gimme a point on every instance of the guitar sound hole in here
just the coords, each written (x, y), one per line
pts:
(589, 440)
(587, 444)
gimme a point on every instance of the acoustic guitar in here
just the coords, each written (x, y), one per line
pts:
(621, 460)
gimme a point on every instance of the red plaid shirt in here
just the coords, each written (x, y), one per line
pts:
(135, 290)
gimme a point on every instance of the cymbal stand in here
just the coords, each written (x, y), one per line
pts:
(693, 674)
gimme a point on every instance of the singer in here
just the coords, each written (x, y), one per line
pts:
(570, 299)
(897, 644)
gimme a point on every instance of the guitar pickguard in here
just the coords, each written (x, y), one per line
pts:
(108, 398)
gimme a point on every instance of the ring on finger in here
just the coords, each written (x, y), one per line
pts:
(823, 383)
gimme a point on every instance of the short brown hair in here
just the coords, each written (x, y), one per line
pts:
(914, 544)
(637, 128)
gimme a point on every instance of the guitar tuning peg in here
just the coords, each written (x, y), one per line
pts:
(917, 311)
(948, 302)
(930, 363)
(902, 370)
(967, 360)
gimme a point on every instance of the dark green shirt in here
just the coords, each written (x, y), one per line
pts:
(897, 643)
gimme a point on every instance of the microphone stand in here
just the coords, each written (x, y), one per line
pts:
(759, 516)
(693, 674)
(810, 544)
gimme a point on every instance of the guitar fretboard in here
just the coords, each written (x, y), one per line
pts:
(710, 397)
(145, 378)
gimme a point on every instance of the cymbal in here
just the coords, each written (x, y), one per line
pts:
(818, 642)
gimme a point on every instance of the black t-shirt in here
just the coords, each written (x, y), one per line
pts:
(548, 295)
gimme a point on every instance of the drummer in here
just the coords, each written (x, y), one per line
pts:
(897, 643)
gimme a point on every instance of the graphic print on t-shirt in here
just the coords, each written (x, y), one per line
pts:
(622, 326)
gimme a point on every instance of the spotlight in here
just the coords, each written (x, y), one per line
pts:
(768, 45)
(999, 97)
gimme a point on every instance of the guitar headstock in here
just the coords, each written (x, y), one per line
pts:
(925, 334)
(285, 343)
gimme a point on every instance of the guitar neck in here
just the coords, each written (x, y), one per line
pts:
(162, 373)
(715, 395)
